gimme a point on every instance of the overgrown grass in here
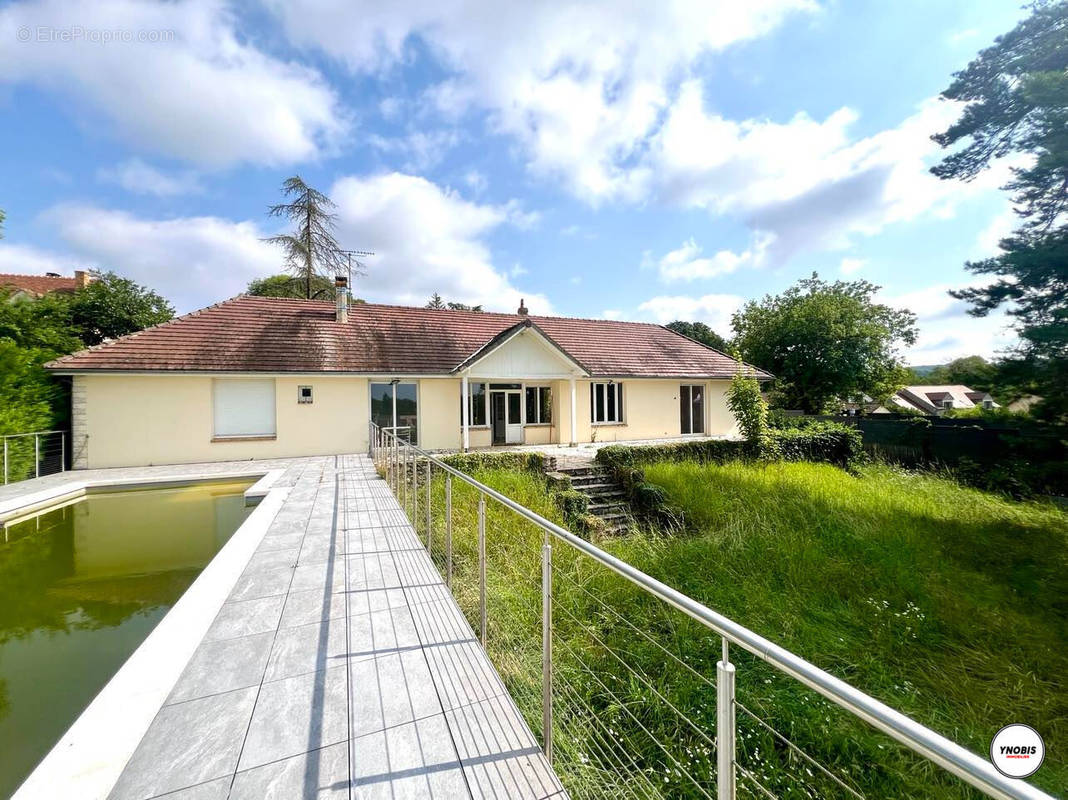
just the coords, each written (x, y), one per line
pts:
(947, 603)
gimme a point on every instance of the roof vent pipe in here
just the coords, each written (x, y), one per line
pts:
(341, 288)
(522, 308)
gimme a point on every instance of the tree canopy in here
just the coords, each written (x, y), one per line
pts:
(700, 332)
(112, 306)
(975, 372)
(436, 302)
(310, 249)
(290, 286)
(35, 331)
(1017, 95)
(825, 342)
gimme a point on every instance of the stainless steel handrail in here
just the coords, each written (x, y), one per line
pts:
(957, 760)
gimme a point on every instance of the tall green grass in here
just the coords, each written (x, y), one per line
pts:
(947, 603)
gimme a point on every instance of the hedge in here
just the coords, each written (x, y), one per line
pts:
(827, 442)
(471, 462)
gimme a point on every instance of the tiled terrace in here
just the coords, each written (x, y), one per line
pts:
(339, 667)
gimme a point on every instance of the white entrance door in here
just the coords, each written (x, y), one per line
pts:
(513, 430)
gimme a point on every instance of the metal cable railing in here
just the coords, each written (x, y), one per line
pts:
(31, 455)
(610, 722)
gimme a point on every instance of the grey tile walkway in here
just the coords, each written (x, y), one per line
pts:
(340, 667)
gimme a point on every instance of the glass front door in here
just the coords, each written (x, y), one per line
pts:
(692, 408)
(396, 405)
(506, 415)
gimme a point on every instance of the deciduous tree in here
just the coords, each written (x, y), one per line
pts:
(825, 342)
(700, 332)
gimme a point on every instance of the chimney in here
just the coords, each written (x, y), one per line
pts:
(341, 286)
(81, 279)
(522, 308)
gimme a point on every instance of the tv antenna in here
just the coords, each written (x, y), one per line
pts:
(358, 254)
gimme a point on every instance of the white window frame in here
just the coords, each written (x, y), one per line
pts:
(300, 395)
(608, 386)
(471, 401)
(689, 406)
(539, 388)
(228, 433)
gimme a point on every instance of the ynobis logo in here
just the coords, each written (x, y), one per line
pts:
(1017, 751)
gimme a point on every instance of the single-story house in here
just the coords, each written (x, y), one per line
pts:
(938, 399)
(34, 286)
(260, 377)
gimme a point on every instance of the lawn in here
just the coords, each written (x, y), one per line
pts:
(944, 602)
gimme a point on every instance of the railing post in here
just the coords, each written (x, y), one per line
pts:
(63, 452)
(5, 461)
(547, 648)
(725, 778)
(36, 456)
(404, 478)
(482, 565)
(448, 530)
(429, 530)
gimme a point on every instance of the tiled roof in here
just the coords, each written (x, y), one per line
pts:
(37, 284)
(263, 334)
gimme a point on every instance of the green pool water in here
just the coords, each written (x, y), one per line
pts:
(81, 586)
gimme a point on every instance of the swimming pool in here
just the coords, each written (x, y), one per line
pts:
(81, 586)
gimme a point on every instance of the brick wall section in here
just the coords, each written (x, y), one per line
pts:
(79, 436)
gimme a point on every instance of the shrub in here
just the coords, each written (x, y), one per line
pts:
(472, 462)
(747, 406)
(828, 442)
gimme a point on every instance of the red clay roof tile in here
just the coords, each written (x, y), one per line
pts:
(263, 334)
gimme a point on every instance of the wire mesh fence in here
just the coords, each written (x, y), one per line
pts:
(31, 455)
(623, 680)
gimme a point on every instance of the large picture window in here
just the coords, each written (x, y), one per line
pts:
(539, 405)
(606, 402)
(476, 398)
(692, 408)
(243, 408)
(396, 405)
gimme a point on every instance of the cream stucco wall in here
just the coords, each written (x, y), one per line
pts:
(145, 419)
(140, 420)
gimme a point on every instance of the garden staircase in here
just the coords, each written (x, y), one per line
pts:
(608, 501)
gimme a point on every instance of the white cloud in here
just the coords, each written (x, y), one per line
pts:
(204, 94)
(581, 87)
(426, 239)
(946, 329)
(476, 181)
(999, 228)
(192, 261)
(713, 309)
(136, 176)
(21, 259)
(421, 149)
(686, 263)
(851, 266)
(612, 313)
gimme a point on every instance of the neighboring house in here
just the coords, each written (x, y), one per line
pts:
(258, 377)
(33, 286)
(939, 399)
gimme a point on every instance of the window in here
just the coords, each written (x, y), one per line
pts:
(243, 408)
(988, 403)
(396, 405)
(606, 402)
(539, 405)
(476, 396)
(692, 408)
(947, 404)
(304, 395)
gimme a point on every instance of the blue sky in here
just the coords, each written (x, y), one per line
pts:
(646, 161)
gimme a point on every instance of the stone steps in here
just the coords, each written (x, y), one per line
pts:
(607, 499)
